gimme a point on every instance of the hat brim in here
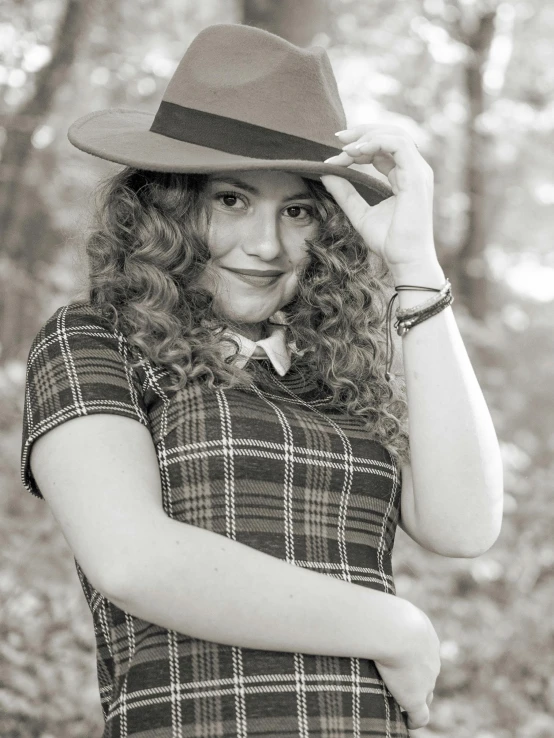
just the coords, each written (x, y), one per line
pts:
(124, 137)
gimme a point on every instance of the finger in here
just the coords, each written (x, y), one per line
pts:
(365, 132)
(370, 136)
(381, 160)
(353, 134)
(402, 153)
(342, 159)
(418, 718)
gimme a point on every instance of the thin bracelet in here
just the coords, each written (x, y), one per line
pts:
(406, 312)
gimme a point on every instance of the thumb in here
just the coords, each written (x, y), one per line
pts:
(346, 195)
(367, 220)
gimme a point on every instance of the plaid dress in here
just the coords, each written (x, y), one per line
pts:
(278, 471)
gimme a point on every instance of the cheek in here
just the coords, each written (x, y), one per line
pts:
(290, 288)
(299, 255)
(222, 238)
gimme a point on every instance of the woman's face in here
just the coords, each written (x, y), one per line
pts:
(259, 221)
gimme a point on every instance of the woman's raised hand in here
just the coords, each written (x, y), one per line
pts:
(400, 228)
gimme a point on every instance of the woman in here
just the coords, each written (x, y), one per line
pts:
(234, 544)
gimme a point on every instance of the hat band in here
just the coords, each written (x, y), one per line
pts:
(235, 136)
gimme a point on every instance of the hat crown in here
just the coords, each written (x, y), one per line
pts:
(240, 99)
(254, 76)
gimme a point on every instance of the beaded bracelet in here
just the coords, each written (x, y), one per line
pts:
(409, 317)
(403, 325)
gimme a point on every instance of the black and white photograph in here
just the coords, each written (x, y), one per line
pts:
(276, 369)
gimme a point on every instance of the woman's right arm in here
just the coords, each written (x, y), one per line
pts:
(100, 476)
(208, 586)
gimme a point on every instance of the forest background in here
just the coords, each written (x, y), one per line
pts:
(473, 82)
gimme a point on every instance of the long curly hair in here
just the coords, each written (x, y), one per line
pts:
(146, 249)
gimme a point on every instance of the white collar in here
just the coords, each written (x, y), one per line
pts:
(276, 346)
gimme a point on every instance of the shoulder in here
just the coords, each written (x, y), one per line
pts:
(74, 317)
(74, 327)
(77, 344)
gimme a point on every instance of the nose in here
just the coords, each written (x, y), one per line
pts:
(264, 238)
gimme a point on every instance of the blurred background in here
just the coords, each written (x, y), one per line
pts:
(473, 82)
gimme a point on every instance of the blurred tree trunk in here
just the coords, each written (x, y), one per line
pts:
(472, 272)
(298, 21)
(15, 292)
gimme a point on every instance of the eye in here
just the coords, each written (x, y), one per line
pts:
(300, 212)
(231, 199)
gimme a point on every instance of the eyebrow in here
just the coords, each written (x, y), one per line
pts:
(254, 191)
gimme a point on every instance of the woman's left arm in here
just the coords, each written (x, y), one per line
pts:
(452, 493)
(453, 502)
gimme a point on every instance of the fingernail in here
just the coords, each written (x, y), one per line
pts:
(352, 147)
(339, 132)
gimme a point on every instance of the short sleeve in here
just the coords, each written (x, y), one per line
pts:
(76, 366)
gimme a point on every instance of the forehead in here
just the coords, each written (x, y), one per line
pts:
(265, 182)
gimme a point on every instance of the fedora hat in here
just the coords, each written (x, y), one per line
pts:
(241, 98)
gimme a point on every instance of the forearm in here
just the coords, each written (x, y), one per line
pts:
(455, 456)
(207, 586)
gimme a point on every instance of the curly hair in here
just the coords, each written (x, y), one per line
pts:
(146, 250)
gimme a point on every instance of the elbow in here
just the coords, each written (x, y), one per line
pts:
(480, 547)
(461, 550)
(466, 541)
(467, 547)
(470, 538)
(115, 584)
(485, 532)
(470, 550)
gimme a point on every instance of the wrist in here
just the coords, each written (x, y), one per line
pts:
(408, 622)
(428, 270)
(421, 274)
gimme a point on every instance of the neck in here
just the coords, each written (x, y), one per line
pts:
(253, 331)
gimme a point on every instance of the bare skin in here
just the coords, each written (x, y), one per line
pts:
(259, 220)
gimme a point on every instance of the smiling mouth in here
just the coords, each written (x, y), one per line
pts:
(257, 280)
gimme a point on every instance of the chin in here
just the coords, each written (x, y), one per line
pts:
(244, 314)
(249, 318)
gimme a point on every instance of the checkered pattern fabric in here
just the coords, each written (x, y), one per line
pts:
(279, 471)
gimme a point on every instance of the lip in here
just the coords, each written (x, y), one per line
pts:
(256, 272)
(256, 279)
